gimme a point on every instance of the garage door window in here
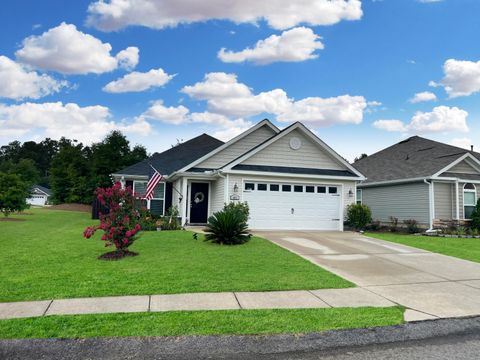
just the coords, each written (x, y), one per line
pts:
(274, 187)
(249, 186)
(298, 188)
(287, 188)
(332, 190)
(309, 189)
(321, 189)
(262, 187)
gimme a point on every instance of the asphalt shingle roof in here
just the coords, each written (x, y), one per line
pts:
(175, 158)
(42, 188)
(414, 157)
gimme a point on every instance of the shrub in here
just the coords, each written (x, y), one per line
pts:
(228, 226)
(13, 194)
(393, 224)
(475, 216)
(170, 220)
(241, 207)
(121, 225)
(412, 226)
(358, 216)
(374, 225)
(147, 220)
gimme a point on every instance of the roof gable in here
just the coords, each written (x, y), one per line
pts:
(415, 157)
(313, 153)
(236, 146)
(175, 158)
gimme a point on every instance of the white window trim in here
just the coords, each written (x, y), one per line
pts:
(155, 198)
(357, 199)
(474, 191)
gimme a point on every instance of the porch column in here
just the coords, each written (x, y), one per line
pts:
(457, 207)
(185, 201)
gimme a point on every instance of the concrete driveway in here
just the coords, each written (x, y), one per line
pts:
(432, 284)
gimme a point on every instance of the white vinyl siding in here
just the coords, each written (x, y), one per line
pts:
(310, 155)
(238, 148)
(463, 168)
(217, 195)
(444, 200)
(405, 201)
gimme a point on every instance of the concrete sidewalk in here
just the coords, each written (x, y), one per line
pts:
(300, 299)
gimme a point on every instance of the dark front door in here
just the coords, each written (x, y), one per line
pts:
(198, 203)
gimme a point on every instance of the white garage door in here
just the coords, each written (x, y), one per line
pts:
(38, 200)
(291, 206)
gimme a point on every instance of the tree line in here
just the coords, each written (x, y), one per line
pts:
(70, 169)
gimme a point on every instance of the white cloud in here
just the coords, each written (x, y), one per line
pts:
(429, 1)
(297, 44)
(128, 58)
(66, 50)
(462, 78)
(440, 119)
(172, 114)
(423, 97)
(320, 112)
(226, 96)
(390, 125)
(138, 81)
(86, 124)
(279, 14)
(17, 82)
(463, 142)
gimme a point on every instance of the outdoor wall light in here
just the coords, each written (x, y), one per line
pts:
(350, 193)
(235, 188)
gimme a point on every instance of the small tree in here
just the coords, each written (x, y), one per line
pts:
(13, 194)
(121, 224)
(358, 216)
(476, 216)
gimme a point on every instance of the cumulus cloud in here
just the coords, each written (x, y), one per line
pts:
(138, 81)
(279, 14)
(423, 97)
(463, 142)
(66, 50)
(461, 78)
(226, 96)
(17, 82)
(86, 124)
(168, 114)
(297, 44)
(440, 119)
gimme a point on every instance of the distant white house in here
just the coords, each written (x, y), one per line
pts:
(39, 195)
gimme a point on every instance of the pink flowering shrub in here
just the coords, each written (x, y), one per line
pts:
(120, 226)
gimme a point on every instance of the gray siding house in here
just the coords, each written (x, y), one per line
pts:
(431, 182)
(290, 178)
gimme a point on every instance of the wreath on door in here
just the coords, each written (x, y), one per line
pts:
(199, 197)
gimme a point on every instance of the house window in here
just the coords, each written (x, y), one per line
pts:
(310, 189)
(298, 188)
(359, 196)
(274, 187)
(322, 189)
(469, 199)
(287, 188)
(262, 187)
(332, 190)
(249, 186)
(157, 204)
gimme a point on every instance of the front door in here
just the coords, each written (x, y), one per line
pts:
(199, 203)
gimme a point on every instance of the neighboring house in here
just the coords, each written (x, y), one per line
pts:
(290, 178)
(39, 195)
(421, 179)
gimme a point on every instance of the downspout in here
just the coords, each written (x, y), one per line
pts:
(225, 186)
(430, 202)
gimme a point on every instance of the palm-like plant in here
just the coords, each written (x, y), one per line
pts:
(227, 227)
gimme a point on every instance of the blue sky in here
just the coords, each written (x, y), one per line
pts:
(349, 70)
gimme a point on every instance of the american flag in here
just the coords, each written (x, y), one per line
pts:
(155, 178)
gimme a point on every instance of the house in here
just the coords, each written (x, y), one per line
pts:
(290, 178)
(39, 195)
(420, 179)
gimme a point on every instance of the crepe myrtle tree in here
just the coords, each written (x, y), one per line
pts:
(120, 224)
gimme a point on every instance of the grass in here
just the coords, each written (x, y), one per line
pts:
(200, 323)
(467, 249)
(46, 257)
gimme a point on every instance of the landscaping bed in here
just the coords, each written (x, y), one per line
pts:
(46, 257)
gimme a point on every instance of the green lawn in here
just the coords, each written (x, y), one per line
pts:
(46, 257)
(200, 323)
(468, 249)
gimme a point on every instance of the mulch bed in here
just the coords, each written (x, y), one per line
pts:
(116, 255)
(7, 219)
(72, 207)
